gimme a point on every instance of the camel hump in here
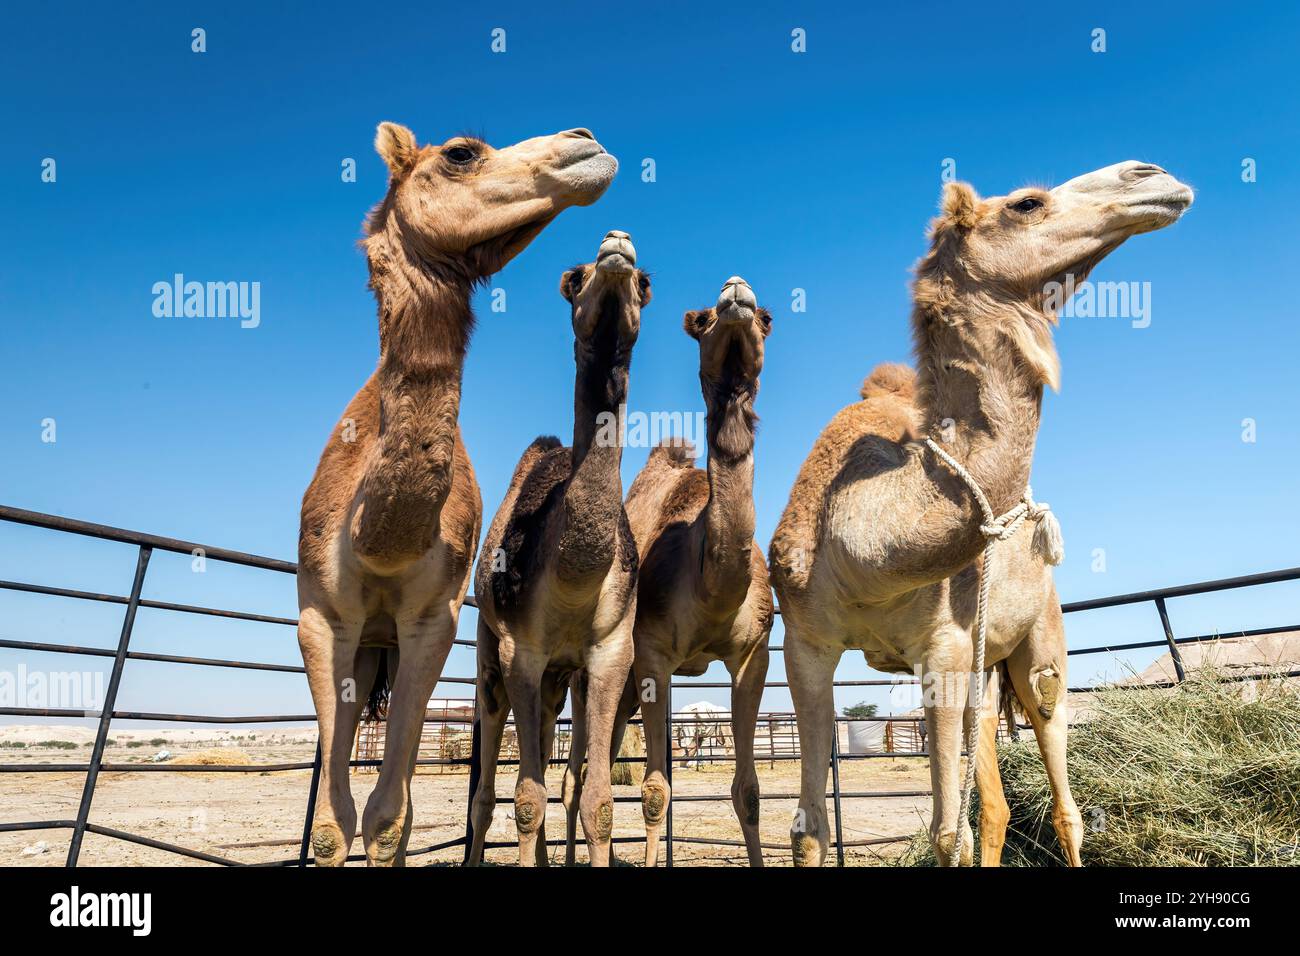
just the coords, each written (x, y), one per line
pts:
(540, 446)
(674, 452)
(890, 378)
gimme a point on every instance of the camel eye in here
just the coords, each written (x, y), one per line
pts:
(460, 155)
(1027, 205)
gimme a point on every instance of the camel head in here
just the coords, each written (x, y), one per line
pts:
(606, 298)
(731, 335)
(466, 206)
(1008, 251)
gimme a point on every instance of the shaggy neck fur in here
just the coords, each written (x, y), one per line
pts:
(729, 515)
(593, 498)
(425, 323)
(979, 390)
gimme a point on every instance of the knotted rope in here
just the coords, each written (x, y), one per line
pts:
(1048, 541)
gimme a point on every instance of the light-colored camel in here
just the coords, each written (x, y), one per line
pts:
(391, 519)
(703, 593)
(556, 583)
(876, 526)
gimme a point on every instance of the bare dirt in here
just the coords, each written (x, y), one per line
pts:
(222, 813)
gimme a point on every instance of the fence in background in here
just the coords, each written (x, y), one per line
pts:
(147, 544)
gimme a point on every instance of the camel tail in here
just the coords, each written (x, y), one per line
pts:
(674, 452)
(377, 700)
(890, 378)
(1010, 705)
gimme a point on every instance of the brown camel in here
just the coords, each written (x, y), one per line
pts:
(877, 524)
(391, 519)
(556, 583)
(703, 593)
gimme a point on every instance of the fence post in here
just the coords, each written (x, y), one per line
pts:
(1169, 636)
(311, 803)
(109, 702)
(835, 791)
(475, 772)
(668, 768)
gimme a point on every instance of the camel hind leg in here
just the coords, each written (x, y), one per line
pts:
(1037, 671)
(994, 812)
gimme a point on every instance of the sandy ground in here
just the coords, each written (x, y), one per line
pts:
(214, 812)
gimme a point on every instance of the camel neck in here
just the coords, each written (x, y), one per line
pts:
(424, 326)
(593, 496)
(728, 530)
(981, 404)
(729, 514)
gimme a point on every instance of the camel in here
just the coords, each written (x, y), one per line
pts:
(703, 593)
(877, 523)
(556, 583)
(391, 518)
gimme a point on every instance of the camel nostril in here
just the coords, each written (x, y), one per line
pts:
(580, 132)
(1141, 170)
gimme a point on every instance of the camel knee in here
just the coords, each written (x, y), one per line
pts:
(1046, 687)
(385, 843)
(994, 816)
(745, 798)
(329, 847)
(944, 841)
(530, 806)
(655, 794)
(598, 818)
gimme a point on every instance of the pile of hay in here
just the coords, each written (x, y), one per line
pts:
(630, 774)
(1204, 774)
(214, 757)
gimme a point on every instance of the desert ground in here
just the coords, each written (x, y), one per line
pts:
(257, 817)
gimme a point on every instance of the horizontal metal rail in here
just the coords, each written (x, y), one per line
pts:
(149, 543)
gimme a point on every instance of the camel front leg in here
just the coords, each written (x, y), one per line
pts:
(653, 677)
(1037, 669)
(608, 663)
(523, 677)
(810, 669)
(746, 696)
(571, 788)
(340, 676)
(945, 679)
(422, 646)
(994, 812)
(554, 691)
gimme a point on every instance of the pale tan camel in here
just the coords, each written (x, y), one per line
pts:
(556, 583)
(1026, 634)
(391, 519)
(876, 526)
(703, 593)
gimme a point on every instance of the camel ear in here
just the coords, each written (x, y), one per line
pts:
(1033, 339)
(695, 322)
(571, 282)
(958, 205)
(396, 144)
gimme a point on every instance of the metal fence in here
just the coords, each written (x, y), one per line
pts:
(147, 544)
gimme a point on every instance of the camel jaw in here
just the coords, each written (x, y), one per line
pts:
(736, 302)
(617, 255)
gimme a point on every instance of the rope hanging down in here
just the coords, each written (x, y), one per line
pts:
(1048, 542)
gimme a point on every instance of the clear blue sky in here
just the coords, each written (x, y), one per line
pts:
(815, 171)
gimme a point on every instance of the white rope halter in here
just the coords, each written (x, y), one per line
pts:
(1047, 539)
